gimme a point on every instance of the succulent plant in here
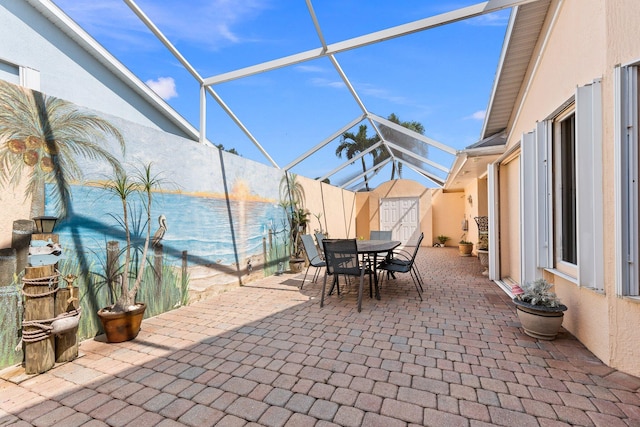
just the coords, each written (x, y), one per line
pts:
(538, 293)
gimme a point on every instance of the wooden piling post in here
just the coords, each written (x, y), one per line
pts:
(66, 344)
(39, 305)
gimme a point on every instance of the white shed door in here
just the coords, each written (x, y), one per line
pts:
(400, 215)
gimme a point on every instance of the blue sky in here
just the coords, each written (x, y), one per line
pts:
(440, 77)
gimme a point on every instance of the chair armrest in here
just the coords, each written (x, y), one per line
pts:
(316, 259)
(402, 254)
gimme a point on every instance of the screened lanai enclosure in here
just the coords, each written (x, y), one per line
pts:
(324, 78)
(219, 115)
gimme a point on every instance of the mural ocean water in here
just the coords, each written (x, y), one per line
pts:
(199, 225)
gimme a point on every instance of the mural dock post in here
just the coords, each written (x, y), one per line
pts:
(10, 305)
(20, 240)
(185, 271)
(157, 265)
(39, 286)
(8, 266)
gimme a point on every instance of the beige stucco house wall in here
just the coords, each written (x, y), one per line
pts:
(367, 213)
(581, 41)
(448, 213)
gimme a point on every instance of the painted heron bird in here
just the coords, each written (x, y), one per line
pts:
(157, 237)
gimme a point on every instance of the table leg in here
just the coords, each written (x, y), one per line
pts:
(360, 290)
(375, 275)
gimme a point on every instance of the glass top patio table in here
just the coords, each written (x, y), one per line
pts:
(373, 248)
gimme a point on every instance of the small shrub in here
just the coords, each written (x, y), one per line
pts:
(443, 239)
(538, 293)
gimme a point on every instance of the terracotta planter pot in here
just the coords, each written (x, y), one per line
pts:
(120, 327)
(296, 265)
(465, 249)
(540, 322)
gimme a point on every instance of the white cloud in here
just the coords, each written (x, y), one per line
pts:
(384, 94)
(478, 115)
(320, 81)
(495, 19)
(212, 23)
(209, 23)
(165, 87)
(310, 69)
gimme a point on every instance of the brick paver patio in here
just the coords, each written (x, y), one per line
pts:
(267, 354)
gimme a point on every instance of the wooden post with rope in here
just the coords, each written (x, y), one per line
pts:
(39, 286)
(67, 301)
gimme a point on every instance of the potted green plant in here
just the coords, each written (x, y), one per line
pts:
(539, 310)
(442, 239)
(121, 320)
(465, 248)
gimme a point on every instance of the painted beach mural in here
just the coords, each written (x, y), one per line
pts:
(221, 216)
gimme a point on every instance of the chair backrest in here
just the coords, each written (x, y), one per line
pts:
(380, 235)
(483, 224)
(310, 248)
(341, 256)
(415, 251)
(319, 239)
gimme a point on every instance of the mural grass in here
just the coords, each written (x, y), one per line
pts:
(10, 318)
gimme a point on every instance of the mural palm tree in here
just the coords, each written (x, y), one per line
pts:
(292, 200)
(353, 144)
(383, 154)
(43, 136)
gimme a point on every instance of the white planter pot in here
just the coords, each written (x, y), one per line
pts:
(543, 323)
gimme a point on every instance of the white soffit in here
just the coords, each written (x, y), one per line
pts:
(521, 39)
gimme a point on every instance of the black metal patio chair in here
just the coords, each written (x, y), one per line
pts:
(319, 238)
(380, 235)
(404, 262)
(315, 260)
(341, 256)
